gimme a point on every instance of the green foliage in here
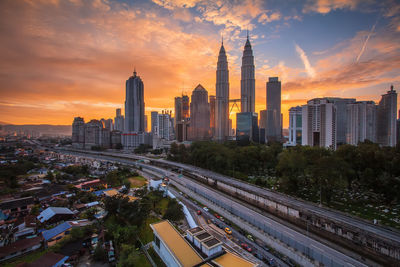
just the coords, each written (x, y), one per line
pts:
(174, 211)
(9, 172)
(366, 167)
(118, 177)
(77, 170)
(100, 253)
(142, 148)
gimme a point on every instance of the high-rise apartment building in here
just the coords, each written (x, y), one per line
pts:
(247, 82)
(108, 124)
(119, 120)
(274, 117)
(164, 126)
(78, 132)
(361, 122)
(145, 123)
(222, 97)
(199, 115)
(134, 105)
(295, 126)
(324, 121)
(386, 119)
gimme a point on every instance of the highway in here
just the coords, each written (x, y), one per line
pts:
(319, 250)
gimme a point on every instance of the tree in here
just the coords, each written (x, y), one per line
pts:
(174, 211)
(100, 253)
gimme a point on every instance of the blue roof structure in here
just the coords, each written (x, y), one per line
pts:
(49, 234)
(51, 211)
(99, 192)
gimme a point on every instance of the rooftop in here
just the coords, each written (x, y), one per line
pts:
(203, 236)
(195, 230)
(49, 234)
(212, 242)
(111, 193)
(229, 259)
(16, 203)
(51, 211)
(20, 245)
(182, 251)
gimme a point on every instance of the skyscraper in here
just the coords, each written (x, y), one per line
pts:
(212, 115)
(222, 97)
(247, 82)
(181, 116)
(199, 115)
(119, 120)
(361, 122)
(154, 122)
(134, 105)
(274, 121)
(386, 119)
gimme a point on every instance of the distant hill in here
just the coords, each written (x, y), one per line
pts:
(43, 129)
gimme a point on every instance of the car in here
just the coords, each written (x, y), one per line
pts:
(250, 237)
(205, 208)
(199, 212)
(228, 231)
(222, 219)
(249, 249)
(244, 245)
(217, 216)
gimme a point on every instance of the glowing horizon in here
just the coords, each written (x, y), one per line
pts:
(63, 59)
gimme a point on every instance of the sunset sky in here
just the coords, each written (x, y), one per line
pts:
(62, 59)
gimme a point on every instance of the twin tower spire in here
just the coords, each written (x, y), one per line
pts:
(247, 89)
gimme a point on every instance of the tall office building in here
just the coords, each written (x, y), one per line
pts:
(154, 122)
(78, 132)
(134, 105)
(386, 119)
(199, 115)
(145, 123)
(247, 82)
(398, 129)
(274, 117)
(119, 120)
(222, 97)
(212, 115)
(295, 126)
(361, 122)
(181, 117)
(247, 127)
(263, 125)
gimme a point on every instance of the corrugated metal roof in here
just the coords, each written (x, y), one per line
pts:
(49, 234)
(51, 211)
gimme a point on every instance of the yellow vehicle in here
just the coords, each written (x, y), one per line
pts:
(228, 231)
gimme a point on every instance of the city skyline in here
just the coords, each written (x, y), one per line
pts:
(45, 80)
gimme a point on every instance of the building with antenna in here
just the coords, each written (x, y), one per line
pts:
(247, 82)
(222, 97)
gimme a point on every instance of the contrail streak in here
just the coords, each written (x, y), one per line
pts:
(366, 40)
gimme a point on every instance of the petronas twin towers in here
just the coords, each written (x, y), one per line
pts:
(247, 85)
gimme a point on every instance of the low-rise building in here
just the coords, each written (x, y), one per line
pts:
(20, 247)
(175, 250)
(17, 207)
(55, 214)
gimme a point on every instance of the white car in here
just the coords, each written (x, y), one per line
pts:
(205, 208)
